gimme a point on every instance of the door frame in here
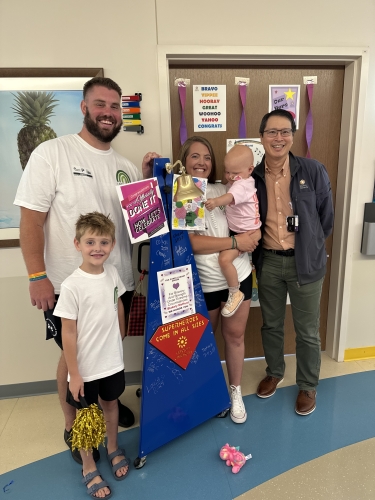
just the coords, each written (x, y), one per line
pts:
(356, 62)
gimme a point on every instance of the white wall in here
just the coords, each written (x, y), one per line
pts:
(119, 37)
(122, 37)
(237, 22)
(322, 23)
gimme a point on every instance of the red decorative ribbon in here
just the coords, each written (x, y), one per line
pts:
(309, 119)
(242, 134)
(182, 94)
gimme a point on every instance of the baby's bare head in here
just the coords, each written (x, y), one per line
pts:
(240, 161)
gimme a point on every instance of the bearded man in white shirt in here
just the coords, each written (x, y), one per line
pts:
(65, 177)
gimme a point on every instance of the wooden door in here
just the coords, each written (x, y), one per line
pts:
(326, 107)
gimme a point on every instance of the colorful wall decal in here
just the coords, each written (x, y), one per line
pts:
(131, 113)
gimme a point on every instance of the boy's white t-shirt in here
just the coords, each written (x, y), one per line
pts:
(67, 177)
(92, 300)
(210, 274)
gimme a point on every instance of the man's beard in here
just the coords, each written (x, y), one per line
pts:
(93, 128)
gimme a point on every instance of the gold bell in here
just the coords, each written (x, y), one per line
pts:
(186, 188)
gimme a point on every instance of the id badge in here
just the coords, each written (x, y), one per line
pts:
(292, 223)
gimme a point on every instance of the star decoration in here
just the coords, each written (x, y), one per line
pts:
(289, 94)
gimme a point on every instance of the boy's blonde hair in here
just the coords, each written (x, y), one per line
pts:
(95, 223)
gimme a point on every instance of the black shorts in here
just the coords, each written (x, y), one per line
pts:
(108, 388)
(53, 323)
(214, 299)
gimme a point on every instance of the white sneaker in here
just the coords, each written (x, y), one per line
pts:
(233, 303)
(237, 412)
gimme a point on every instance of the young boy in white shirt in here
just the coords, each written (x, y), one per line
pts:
(242, 212)
(92, 331)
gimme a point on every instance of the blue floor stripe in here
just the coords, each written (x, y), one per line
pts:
(190, 467)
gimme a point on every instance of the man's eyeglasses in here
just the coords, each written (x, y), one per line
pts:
(272, 132)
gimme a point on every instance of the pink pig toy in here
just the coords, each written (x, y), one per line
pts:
(233, 457)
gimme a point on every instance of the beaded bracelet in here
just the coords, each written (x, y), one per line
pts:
(234, 242)
(37, 276)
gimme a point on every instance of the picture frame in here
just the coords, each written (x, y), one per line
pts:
(285, 97)
(48, 79)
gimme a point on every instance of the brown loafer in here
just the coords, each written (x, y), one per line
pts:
(306, 402)
(267, 386)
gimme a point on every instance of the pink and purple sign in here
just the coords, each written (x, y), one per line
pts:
(142, 209)
(285, 97)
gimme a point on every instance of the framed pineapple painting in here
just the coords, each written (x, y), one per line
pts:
(35, 105)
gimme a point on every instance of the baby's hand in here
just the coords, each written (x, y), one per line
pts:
(210, 204)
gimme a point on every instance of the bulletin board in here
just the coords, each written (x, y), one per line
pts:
(183, 384)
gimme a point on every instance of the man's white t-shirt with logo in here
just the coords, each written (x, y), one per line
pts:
(92, 300)
(211, 277)
(67, 177)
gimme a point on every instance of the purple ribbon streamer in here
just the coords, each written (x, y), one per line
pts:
(242, 127)
(182, 94)
(309, 119)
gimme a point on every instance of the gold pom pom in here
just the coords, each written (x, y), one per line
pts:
(88, 429)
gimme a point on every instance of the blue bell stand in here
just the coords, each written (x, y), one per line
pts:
(175, 400)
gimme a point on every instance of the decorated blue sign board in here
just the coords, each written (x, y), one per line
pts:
(183, 384)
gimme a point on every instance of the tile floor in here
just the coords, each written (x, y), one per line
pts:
(31, 429)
